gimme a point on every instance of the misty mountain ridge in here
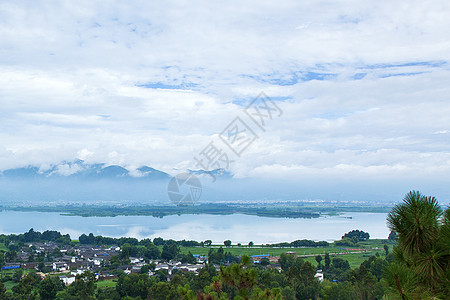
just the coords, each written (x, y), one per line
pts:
(79, 169)
(82, 182)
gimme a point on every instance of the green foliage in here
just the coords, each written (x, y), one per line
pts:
(327, 260)
(265, 261)
(416, 222)
(188, 258)
(219, 256)
(49, 287)
(17, 275)
(108, 293)
(336, 291)
(288, 293)
(24, 289)
(357, 235)
(128, 250)
(421, 264)
(10, 256)
(133, 285)
(392, 236)
(203, 279)
(2, 259)
(158, 241)
(84, 286)
(349, 242)
(2, 290)
(163, 290)
(151, 251)
(169, 251)
(318, 258)
(308, 285)
(240, 278)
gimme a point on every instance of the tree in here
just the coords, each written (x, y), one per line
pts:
(133, 285)
(162, 290)
(416, 222)
(288, 293)
(422, 253)
(357, 235)
(265, 261)
(365, 284)
(286, 261)
(49, 287)
(31, 236)
(169, 251)
(309, 285)
(227, 243)
(84, 286)
(392, 236)
(327, 260)
(318, 259)
(2, 259)
(2, 290)
(10, 256)
(188, 258)
(24, 289)
(17, 275)
(250, 244)
(152, 252)
(202, 279)
(386, 249)
(87, 239)
(158, 241)
(240, 277)
(208, 243)
(336, 291)
(108, 293)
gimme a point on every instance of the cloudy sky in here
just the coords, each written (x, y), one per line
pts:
(363, 85)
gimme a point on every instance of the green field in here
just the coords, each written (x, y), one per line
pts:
(355, 259)
(107, 283)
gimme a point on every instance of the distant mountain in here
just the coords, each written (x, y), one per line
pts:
(21, 172)
(79, 169)
(80, 182)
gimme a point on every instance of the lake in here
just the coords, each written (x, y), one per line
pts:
(237, 228)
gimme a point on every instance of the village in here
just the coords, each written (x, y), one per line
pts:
(73, 261)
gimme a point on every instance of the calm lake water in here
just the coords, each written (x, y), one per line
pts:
(237, 228)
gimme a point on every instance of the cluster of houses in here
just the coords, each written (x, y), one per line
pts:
(93, 258)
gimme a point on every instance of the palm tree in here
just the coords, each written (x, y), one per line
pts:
(423, 231)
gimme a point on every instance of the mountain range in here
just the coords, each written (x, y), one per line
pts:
(79, 169)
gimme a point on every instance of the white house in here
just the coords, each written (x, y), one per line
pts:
(319, 275)
(68, 280)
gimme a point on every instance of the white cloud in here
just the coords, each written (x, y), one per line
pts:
(73, 77)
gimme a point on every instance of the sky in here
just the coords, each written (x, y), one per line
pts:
(361, 87)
